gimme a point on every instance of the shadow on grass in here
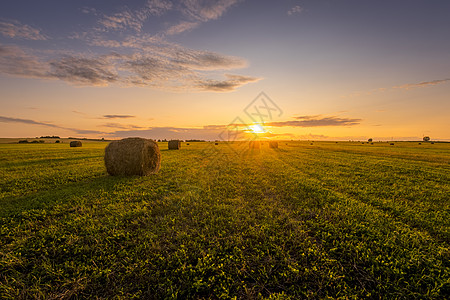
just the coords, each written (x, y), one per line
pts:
(64, 194)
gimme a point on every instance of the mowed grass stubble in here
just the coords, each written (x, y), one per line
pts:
(339, 220)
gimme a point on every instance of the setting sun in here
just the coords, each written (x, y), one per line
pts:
(258, 128)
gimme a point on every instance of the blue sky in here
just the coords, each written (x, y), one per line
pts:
(177, 67)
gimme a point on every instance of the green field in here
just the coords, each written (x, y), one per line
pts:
(343, 219)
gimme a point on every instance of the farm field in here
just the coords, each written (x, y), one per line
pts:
(340, 220)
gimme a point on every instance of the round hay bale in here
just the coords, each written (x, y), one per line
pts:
(216, 144)
(132, 156)
(174, 145)
(273, 144)
(255, 145)
(392, 144)
(75, 144)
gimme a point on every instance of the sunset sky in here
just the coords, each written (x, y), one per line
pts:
(329, 69)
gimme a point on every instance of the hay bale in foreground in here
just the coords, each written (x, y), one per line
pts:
(273, 144)
(174, 145)
(255, 145)
(132, 156)
(75, 144)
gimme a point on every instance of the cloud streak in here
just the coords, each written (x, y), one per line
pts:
(231, 83)
(408, 86)
(316, 121)
(4, 119)
(422, 84)
(118, 116)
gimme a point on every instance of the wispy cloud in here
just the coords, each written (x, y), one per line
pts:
(33, 122)
(14, 29)
(316, 121)
(14, 61)
(204, 10)
(169, 67)
(91, 71)
(88, 10)
(128, 19)
(157, 7)
(295, 10)
(118, 116)
(181, 27)
(136, 59)
(421, 84)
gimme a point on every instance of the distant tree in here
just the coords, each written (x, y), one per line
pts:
(370, 140)
(426, 138)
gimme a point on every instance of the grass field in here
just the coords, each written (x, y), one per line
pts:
(343, 219)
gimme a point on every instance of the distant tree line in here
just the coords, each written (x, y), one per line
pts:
(32, 142)
(50, 137)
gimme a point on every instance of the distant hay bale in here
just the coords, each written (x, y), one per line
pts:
(57, 141)
(255, 145)
(75, 144)
(174, 145)
(273, 144)
(187, 144)
(420, 143)
(392, 144)
(132, 156)
(216, 144)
